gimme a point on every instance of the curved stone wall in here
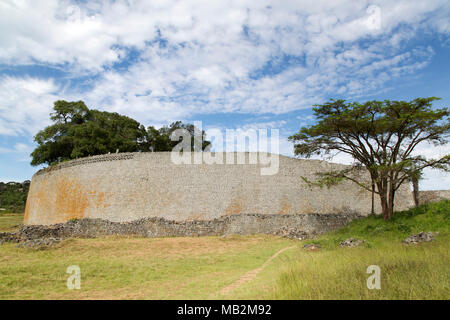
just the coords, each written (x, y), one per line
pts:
(130, 186)
(433, 196)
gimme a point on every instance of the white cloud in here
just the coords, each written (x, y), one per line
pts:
(210, 50)
(18, 148)
(433, 179)
(25, 104)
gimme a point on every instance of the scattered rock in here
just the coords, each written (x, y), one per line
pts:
(351, 242)
(10, 237)
(312, 247)
(420, 237)
(39, 243)
(291, 233)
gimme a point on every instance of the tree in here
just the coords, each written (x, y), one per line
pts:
(415, 174)
(159, 139)
(13, 195)
(381, 136)
(78, 132)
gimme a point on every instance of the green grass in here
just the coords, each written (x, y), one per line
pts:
(429, 217)
(10, 221)
(198, 268)
(418, 272)
(407, 272)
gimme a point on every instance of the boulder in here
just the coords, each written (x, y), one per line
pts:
(351, 242)
(291, 233)
(420, 237)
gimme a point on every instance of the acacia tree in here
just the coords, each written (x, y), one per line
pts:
(381, 136)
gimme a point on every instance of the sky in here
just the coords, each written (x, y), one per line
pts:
(230, 64)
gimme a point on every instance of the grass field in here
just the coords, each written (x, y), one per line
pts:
(200, 268)
(10, 221)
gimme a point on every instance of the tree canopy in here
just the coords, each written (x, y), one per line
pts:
(78, 131)
(159, 139)
(381, 136)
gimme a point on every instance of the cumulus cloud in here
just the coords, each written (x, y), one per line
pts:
(25, 104)
(197, 56)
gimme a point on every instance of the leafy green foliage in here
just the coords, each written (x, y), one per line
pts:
(160, 139)
(79, 132)
(326, 180)
(13, 196)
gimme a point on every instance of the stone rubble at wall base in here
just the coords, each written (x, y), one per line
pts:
(299, 226)
(39, 243)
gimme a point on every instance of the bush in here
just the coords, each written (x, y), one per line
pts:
(13, 196)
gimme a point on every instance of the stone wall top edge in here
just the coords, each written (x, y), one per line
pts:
(86, 160)
(133, 155)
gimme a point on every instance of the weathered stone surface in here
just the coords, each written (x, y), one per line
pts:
(433, 196)
(291, 233)
(300, 225)
(39, 243)
(132, 186)
(420, 237)
(351, 242)
(9, 237)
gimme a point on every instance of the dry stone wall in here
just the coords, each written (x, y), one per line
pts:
(433, 196)
(131, 186)
(298, 226)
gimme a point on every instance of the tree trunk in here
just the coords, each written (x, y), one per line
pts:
(384, 207)
(372, 210)
(391, 199)
(415, 183)
(383, 200)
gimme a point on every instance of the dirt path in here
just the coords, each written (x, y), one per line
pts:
(250, 275)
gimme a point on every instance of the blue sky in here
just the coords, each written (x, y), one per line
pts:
(235, 64)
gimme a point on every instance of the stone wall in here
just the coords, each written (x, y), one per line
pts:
(433, 195)
(295, 226)
(131, 186)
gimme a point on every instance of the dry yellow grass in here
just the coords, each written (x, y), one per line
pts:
(134, 268)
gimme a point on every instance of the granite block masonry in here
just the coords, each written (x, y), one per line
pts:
(127, 187)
